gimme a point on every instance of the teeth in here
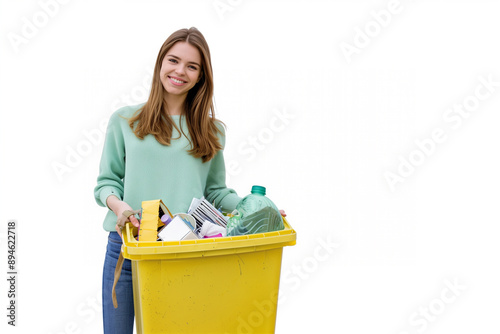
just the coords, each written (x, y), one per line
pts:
(177, 81)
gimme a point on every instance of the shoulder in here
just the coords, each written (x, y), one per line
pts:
(127, 111)
(221, 131)
(123, 114)
(220, 126)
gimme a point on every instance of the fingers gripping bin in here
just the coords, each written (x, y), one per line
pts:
(218, 285)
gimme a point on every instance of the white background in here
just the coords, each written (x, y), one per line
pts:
(351, 119)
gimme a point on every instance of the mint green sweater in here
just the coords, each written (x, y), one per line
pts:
(138, 170)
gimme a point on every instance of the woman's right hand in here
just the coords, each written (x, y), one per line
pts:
(123, 212)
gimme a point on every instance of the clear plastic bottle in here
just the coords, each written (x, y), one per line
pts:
(255, 214)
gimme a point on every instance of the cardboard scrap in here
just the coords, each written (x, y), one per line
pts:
(152, 211)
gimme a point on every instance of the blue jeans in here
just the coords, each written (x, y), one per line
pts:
(121, 319)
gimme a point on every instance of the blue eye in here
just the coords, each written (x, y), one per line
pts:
(172, 60)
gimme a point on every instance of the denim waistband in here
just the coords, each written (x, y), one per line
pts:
(115, 237)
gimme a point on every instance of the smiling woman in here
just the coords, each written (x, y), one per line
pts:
(180, 71)
(169, 148)
(182, 85)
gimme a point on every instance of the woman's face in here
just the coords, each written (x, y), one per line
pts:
(180, 69)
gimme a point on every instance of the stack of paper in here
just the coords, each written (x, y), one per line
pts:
(202, 210)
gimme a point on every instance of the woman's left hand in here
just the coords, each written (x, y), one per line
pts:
(283, 213)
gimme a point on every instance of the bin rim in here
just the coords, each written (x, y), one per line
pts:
(150, 250)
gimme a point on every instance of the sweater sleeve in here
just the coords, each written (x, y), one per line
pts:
(216, 190)
(112, 166)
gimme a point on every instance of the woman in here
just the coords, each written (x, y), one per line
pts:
(169, 148)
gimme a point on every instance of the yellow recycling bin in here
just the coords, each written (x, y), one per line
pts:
(214, 285)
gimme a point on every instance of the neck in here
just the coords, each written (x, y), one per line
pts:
(175, 104)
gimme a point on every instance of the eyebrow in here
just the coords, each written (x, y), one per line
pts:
(190, 62)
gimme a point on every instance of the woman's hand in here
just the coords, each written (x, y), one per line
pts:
(126, 216)
(123, 212)
(283, 213)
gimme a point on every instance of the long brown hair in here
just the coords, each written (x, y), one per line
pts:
(152, 117)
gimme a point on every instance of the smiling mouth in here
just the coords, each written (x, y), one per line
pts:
(177, 81)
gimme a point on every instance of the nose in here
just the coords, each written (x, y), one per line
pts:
(180, 69)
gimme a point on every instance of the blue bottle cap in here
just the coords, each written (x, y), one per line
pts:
(259, 190)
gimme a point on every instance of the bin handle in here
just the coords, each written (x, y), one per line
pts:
(118, 271)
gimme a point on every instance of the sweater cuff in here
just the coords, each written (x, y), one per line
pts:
(106, 192)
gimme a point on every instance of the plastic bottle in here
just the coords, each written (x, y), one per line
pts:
(255, 214)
